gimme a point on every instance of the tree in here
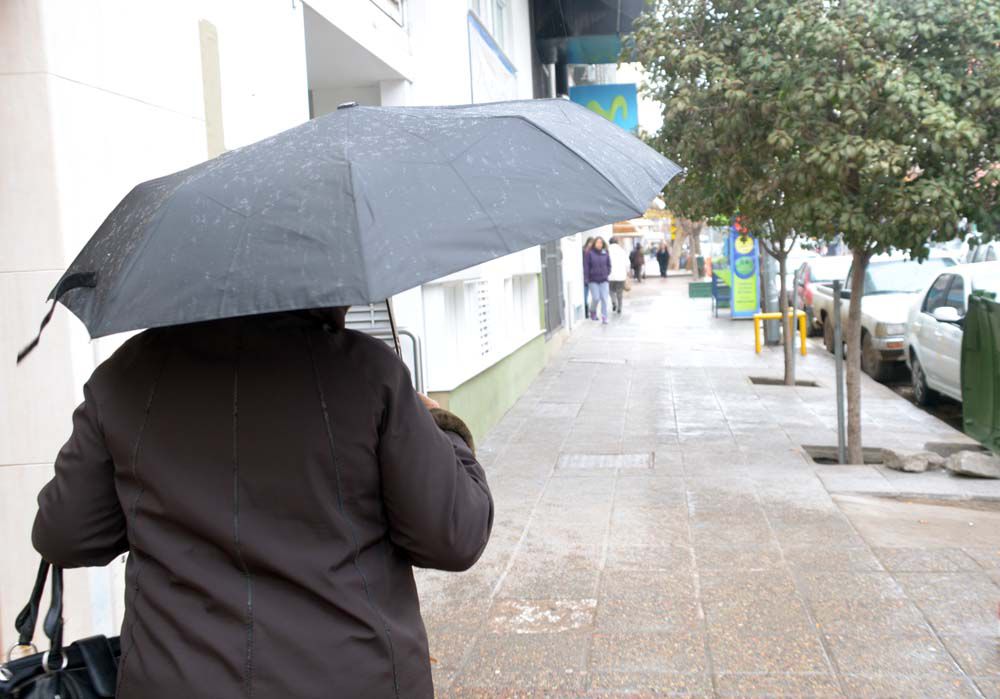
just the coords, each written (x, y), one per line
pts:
(878, 120)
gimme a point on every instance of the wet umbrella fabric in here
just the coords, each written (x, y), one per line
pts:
(354, 207)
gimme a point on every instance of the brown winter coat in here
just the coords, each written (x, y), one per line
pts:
(274, 480)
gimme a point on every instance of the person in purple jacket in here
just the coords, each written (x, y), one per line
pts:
(597, 269)
(586, 281)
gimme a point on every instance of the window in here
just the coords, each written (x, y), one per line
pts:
(901, 276)
(495, 15)
(991, 254)
(937, 295)
(956, 294)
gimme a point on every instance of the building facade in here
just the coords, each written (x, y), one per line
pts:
(98, 95)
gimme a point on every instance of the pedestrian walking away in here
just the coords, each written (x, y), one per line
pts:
(275, 478)
(598, 270)
(619, 273)
(638, 260)
(663, 258)
(586, 280)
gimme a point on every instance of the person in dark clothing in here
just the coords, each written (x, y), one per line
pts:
(597, 270)
(663, 259)
(638, 260)
(274, 480)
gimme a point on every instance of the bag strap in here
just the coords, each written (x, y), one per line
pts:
(26, 620)
(53, 625)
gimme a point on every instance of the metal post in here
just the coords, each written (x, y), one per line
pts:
(792, 323)
(838, 353)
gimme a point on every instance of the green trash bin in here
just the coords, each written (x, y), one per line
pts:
(981, 371)
(700, 261)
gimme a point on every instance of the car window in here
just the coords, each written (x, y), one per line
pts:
(991, 254)
(937, 295)
(956, 294)
(827, 269)
(902, 276)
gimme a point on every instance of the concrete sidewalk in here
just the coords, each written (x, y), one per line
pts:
(659, 531)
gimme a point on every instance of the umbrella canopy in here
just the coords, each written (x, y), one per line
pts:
(354, 207)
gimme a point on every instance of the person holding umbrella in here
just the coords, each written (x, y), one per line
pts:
(273, 476)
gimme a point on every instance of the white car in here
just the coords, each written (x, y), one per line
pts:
(933, 342)
(891, 282)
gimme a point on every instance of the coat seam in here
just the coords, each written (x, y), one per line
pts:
(247, 576)
(340, 506)
(133, 512)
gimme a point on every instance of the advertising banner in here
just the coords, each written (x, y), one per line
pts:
(744, 267)
(617, 103)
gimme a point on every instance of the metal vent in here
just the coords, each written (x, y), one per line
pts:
(604, 462)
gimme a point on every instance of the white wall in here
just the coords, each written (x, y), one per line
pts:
(439, 35)
(95, 97)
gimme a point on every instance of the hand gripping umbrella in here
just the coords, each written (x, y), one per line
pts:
(353, 207)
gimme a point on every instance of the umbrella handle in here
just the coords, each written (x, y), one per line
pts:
(392, 324)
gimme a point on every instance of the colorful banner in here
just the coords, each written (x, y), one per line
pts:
(617, 103)
(744, 265)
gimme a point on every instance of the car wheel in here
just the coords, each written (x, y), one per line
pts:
(828, 335)
(922, 395)
(871, 360)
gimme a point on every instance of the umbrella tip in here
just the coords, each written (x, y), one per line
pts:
(347, 105)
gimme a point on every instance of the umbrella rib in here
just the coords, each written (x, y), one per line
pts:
(243, 236)
(472, 194)
(354, 201)
(135, 256)
(578, 155)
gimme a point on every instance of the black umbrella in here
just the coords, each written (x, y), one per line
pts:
(354, 207)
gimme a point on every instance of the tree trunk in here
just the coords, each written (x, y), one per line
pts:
(694, 235)
(676, 245)
(853, 342)
(787, 327)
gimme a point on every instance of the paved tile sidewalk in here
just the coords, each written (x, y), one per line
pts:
(659, 532)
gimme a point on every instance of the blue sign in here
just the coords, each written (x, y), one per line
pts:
(744, 265)
(617, 103)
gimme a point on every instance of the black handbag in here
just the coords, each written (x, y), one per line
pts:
(85, 669)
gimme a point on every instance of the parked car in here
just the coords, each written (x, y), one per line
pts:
(987, 252)
(933, 342)
(819, 270)
(890, 284)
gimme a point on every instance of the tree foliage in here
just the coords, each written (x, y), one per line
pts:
(877, 119)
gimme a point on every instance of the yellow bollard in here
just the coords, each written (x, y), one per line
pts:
(758, 319)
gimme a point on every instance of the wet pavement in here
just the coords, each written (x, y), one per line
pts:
(659, 532)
